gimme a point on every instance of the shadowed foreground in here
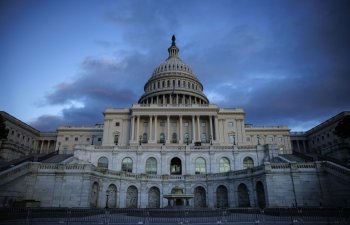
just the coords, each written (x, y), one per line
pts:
(170, 216)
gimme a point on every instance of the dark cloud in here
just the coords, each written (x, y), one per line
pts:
(283, 62)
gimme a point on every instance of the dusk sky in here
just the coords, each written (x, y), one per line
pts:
(283, 62)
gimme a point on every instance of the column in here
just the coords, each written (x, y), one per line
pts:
(157, 100)
(164, 99)
(155, 129)
(138, 128)
(181, 135)
(170, 99)
(132, 128)
(198, 130)
(41, 146)
(168, 130)
(193, 133)
(211, 128)
(216, 123)
(177, 99)
(150, 129)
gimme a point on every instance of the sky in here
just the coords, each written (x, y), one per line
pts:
(284, 62)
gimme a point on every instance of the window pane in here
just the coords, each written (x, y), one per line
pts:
(224, 165)
(200, 166)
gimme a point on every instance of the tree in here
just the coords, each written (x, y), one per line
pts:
(3, 130)
(343, 128)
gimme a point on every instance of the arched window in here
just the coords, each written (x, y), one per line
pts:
(102, 162)
(127, 165)
(175, 166)
(200, 165)
(151, 166)
(248, 163)
(224, 165)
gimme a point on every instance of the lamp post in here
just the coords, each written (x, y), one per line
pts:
(140, 138)
(59, 144)
(92, 139)
(107, 195)
(211, 140)
(258, 140)
(187, 140)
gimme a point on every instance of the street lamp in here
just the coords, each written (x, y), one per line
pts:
(92, 139)
(187, 140)
(258, 140)
(107, 195)
(140, 138)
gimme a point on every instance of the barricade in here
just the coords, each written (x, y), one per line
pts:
(81, 216)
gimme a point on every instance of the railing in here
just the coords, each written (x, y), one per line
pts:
(175, 216)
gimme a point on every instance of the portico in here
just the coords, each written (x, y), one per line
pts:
(180, 126)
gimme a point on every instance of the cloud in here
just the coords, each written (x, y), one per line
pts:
(284, 63)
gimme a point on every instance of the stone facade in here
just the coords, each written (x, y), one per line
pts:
(322, 140)
(23, 140)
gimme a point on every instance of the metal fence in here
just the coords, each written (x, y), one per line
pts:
(75, 216)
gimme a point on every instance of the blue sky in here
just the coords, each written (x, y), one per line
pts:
(284, 62)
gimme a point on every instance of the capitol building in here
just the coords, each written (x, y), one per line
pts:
(172, 148)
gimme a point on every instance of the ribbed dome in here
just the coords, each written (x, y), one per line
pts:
(173, 82)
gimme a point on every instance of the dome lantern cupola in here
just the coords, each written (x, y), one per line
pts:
(173, 82)
(173, 49)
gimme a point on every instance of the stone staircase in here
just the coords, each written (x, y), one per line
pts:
(57, 158)
(291, 158)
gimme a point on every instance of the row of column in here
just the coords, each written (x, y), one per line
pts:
(173, 99)
(153, 138)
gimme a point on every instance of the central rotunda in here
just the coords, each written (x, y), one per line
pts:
(173, 82)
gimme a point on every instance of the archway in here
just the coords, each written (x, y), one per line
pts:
(131, 197)
(112, 196)
(243, 196)
(175, 166)
(154, 197)
(260, 192)
(221, 197)
(200, 198)
(94, 195)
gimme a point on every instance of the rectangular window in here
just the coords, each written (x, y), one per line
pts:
(87, 139)
(66, 139)
(76, 139)
(203, 124)
(248, 139)
(99, 139)
(232, 139)
(162, 124)
(174, 124)
(117, 124)
(145, 124)
(230, 124)
(186, 124)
